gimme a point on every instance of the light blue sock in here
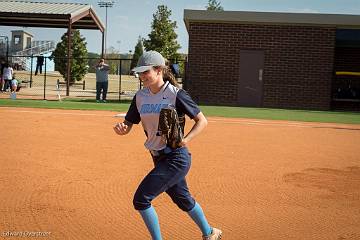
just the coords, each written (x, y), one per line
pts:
(152, 222)
(199, 218)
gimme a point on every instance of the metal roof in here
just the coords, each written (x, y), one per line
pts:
(50, 15)
(244, 17)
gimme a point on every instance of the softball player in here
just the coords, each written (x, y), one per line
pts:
(170, 165)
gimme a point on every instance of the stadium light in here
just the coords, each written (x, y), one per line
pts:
(106, 4)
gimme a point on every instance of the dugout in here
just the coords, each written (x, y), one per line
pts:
(346, 80)
(267, 59)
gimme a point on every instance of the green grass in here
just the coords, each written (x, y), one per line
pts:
(283, 114)
(221, 111)
(76, 104)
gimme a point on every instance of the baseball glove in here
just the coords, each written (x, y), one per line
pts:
(171, 127)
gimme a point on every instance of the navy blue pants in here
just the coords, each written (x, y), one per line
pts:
(101, 86)
(168, 176)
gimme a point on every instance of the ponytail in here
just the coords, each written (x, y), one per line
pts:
(168, 76)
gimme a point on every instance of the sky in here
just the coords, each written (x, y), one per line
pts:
(127, 20)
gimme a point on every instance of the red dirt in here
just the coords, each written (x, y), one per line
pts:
(67, 173)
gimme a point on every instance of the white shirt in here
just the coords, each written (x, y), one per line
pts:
(8, 73)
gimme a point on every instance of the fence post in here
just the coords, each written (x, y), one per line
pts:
(120, 81)
(31, 68)
(45, 80)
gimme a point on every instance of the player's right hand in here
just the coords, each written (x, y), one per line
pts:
(121, 128)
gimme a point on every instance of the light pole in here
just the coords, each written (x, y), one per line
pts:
(129, 57)
(106, 4)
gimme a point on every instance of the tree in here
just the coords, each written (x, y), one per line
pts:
(79, 63)
(139, 50)
(213, 5)
(162, 37)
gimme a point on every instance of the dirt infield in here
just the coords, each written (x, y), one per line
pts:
(66, 175)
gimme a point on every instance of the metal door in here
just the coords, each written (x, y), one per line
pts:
(250, 86)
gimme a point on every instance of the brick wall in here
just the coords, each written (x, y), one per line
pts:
(298, 63)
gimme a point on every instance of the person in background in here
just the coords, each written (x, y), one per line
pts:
(14, 87)
(2, 82)
(102, 79)
(7, 76)
(39, 64)
(175, 69)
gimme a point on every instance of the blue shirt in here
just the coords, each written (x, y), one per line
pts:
(102, 73)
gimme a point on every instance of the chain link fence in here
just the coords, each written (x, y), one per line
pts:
(45, 83)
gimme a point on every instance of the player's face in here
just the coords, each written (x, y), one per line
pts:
(150, 77)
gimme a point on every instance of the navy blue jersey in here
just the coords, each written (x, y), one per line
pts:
(145, 108)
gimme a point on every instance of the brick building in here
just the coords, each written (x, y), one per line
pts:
(280, 60)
